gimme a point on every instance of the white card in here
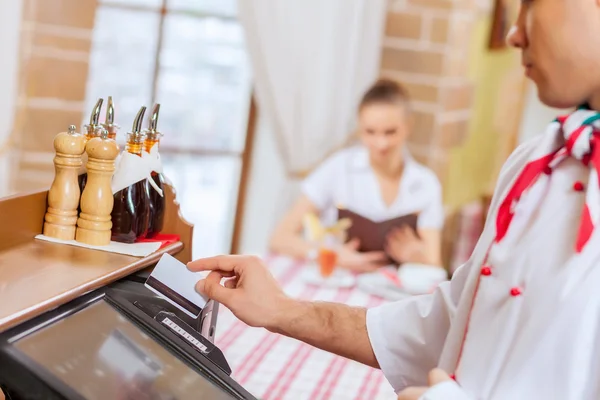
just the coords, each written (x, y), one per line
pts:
(172, 281)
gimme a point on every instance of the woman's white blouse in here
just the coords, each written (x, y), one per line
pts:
(346, 179)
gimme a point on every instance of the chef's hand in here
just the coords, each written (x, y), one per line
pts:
(350, 258)
(403, 245)
(415, 393)
(250, 291)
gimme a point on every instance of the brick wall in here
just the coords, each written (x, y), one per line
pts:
(54, 52)
(426, 48)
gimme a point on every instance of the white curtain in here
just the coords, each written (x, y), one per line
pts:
(311, 61)
(10, 24)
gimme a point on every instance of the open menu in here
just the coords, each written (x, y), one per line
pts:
(372, 235)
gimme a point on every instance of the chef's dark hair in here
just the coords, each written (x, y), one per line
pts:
(385, 91)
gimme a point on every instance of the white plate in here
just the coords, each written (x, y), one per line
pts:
(421, 278)
(377, 284)
(412, 279)
(340, 278)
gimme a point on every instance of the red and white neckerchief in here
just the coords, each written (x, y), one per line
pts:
(574, 135)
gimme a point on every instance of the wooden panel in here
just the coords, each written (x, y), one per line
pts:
(21, 218)
(38, 276)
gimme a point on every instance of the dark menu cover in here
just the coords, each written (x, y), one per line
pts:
(372, 235)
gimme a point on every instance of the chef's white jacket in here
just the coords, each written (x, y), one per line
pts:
(523, 325)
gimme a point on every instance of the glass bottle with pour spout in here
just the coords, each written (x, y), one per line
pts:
(130, 209)
(109, 121)
(157, 201)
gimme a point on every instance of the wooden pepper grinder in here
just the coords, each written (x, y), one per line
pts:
(94, 223)
(63, 196)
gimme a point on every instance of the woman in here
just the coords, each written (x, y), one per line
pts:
(377, 179)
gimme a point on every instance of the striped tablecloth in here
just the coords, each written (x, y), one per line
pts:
(272, 366)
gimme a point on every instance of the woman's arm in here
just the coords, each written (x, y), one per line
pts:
(432, 246)
(287, 237)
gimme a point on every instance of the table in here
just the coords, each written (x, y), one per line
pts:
(272, 366)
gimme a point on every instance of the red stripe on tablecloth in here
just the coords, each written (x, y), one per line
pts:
(375, 386)
(230, 336)
(341, 297)
(297, 359)
(325, 377)
(256, 355)
(367, 381)
(303, 351)
(263, 348)
(335, 377)
(371, 384)
(343, 362)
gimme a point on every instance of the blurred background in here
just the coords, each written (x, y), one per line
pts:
(259, 98)
(234, 160)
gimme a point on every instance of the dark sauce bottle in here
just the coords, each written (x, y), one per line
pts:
(157, 202)
(92, 130)
(130, 209)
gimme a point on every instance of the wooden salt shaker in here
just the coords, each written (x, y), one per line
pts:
(94, 223)
(63, 196)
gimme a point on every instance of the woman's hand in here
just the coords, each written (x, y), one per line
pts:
(350, 258)
(403, 245)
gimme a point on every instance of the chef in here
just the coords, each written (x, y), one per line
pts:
(521, 319)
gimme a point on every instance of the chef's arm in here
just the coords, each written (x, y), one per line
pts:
(254, 296)
(333, 327)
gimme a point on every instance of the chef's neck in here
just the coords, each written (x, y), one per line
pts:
(594, 101)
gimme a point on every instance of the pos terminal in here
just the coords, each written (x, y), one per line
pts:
(118, 342)
(79, 323)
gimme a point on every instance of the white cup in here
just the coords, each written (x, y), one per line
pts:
(421, 278)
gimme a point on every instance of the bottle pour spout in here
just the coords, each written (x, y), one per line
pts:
(154, 118)
(110, 112)
(95, 116)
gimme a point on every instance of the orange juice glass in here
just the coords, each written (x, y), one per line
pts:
(327, 260)
(327, 257)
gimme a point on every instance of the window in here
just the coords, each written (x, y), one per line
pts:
(189, 56)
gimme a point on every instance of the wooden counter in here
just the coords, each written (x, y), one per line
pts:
(37, 276)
